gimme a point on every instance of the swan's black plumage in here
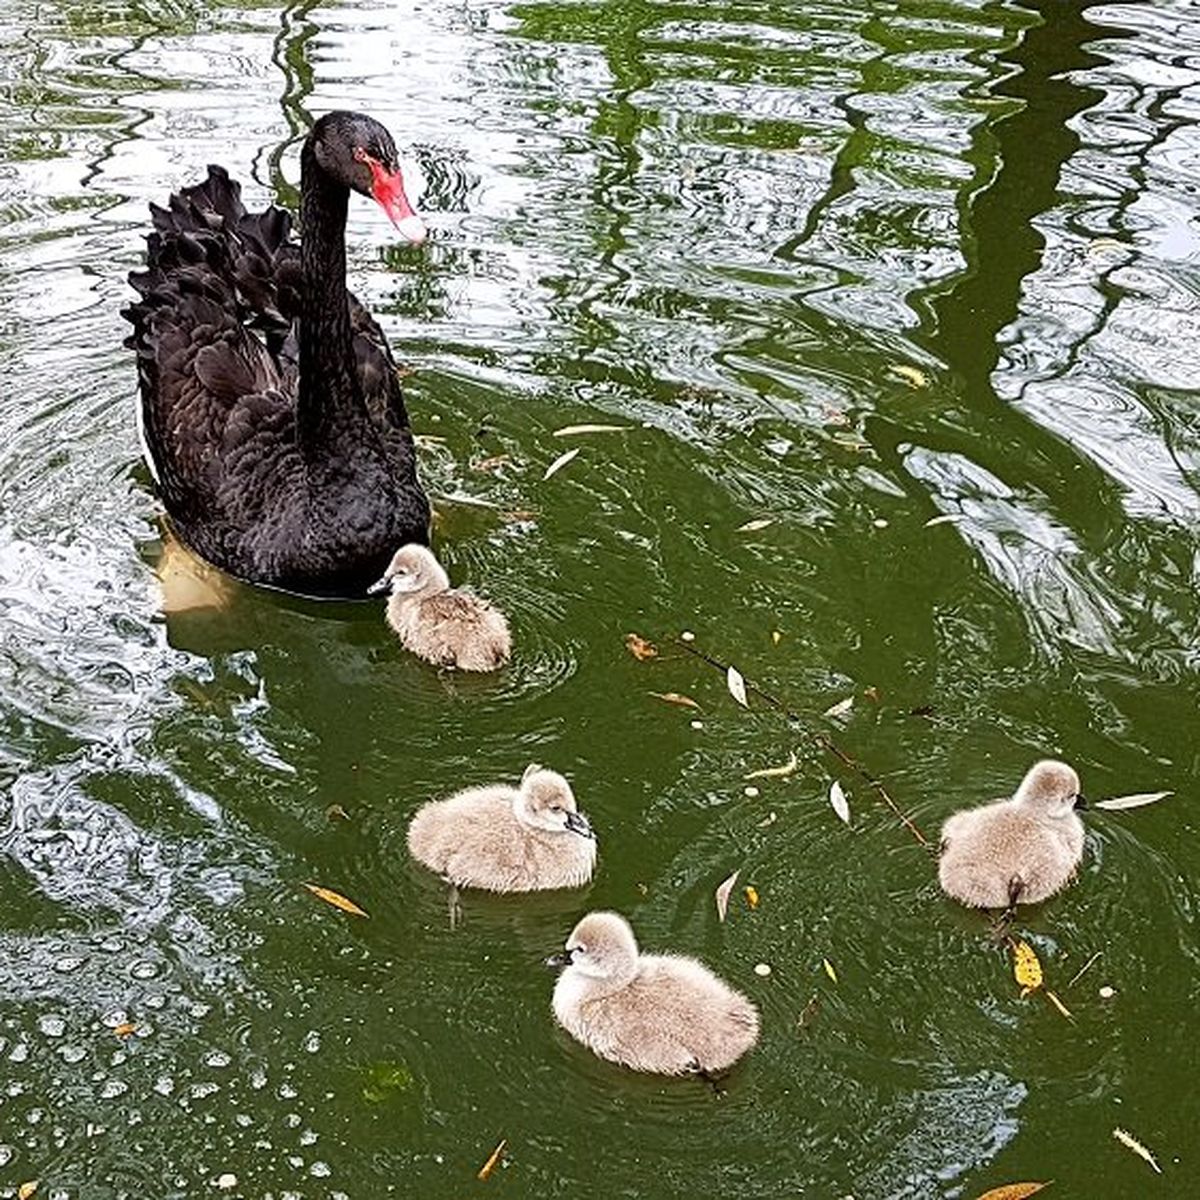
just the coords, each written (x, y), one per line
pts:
(270, 404)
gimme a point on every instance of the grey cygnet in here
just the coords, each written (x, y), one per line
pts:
(1017, 851)
(444, 626)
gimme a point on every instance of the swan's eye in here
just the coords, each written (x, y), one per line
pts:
(360, 155)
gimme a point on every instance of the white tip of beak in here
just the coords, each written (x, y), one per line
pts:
(412, 229)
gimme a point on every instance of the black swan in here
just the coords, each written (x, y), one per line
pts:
(270, 407)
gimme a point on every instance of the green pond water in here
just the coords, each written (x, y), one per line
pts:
(919, 283)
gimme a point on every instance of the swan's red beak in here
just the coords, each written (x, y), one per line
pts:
(388, 189)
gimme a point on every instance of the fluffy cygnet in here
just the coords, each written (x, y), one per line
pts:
(651, 1012)
(1016, 851)
(438, 623)
(506, 839)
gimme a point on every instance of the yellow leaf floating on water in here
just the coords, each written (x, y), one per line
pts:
(496, 1155)
(558, 464)
(27, 1189)
(1127, 1139)
(776, 637)
(676, 698)
(1014, 1191)
(640, 648)
(782, 772)
(737, 686)
(1026, 967)
(913, 376)
(571, 430)
(124, 1029)
(751, 896)
(829, 969)
(722, 895)
(336, 899)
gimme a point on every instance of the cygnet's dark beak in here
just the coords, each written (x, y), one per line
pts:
(578, 823)
(380, 585)
(558, 961)
(1081, 801)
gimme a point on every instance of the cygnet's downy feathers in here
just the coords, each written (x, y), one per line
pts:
(506, 839)
(650, 1012)
(1017, 851)
(440, 624)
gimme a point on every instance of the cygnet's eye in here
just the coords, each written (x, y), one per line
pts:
(556, 808)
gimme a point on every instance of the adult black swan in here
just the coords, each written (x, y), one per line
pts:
(270, 406)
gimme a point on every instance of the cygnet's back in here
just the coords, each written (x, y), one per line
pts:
(651, 1012)
(1014, 851)
(506, 839)
(438, 623)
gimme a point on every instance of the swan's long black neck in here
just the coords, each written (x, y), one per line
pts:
(328, 402)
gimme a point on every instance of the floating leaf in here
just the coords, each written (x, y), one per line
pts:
(722, 895)
(776, 637)
(560, 462)
(493, 1158)
(809, 1013)
(1062, 1008)
(336, 899)
(1026, 967)
(1127, 1139)
(1014, 1191)
(125, 1028)
(911, 375)
(755, 525)
(944, 519)
(676, 698)
(1134, 801)
(491, 464)
(640, 648)
(829, 969)
(335, 812)
(781, 772)
(572, 430)
(27, 1189)
(842, 706)
(737, 686)
(837, 797)
(769, 819)
(751, 896)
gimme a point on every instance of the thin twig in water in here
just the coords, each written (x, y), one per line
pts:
(821, 739)
(1086, 966)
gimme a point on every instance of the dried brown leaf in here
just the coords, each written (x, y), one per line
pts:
(751, 894)
(558, 464)
(27, 1189)
(1129, 1141)
(676, 698)
(722, 895)
(837, 798)
(572, 430)
(493, 1160)
(336, 899)
(640, 648)
(781, 772)
(1014, 1191)
(1115, 803)
(125, 1028)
